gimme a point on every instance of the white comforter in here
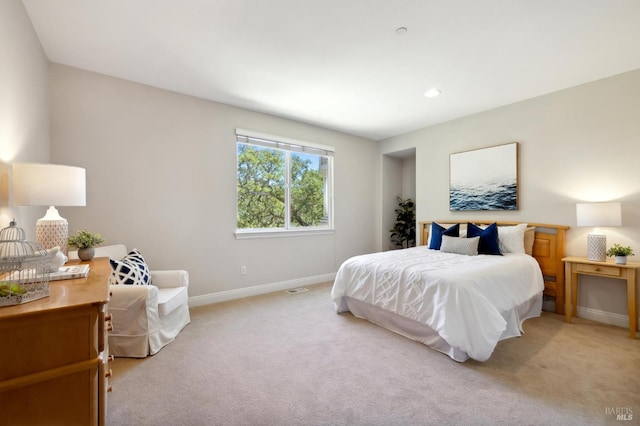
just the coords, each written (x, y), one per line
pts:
(465, 299)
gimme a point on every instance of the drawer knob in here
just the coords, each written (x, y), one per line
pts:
(109, 389)
(110, 358)
(109, 327)
(597, 269)
(108, 373)
(107, 317)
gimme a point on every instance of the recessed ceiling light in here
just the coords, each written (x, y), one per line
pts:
(401, 30)
(432, 93)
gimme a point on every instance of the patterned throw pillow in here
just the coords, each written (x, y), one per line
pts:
(467, 246)
(130, 270)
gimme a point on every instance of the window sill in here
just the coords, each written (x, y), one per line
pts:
(266, 233)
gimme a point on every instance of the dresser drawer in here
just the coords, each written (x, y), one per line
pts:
(49, 340)
(611, 271)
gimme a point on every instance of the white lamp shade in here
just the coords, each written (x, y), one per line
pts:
(37, 184)
(599, 214)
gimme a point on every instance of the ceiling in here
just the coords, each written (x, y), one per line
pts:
(340, 64)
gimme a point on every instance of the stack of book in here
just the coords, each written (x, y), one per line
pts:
(64, 273)
(70, 272)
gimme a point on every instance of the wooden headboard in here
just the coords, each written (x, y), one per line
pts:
(548, 250)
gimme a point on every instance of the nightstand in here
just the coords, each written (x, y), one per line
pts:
(581, 265)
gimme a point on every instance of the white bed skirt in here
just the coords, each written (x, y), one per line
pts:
(424, 334)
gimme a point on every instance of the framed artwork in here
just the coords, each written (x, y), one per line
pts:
(484, 179)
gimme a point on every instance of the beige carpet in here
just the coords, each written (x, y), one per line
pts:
(284, 359)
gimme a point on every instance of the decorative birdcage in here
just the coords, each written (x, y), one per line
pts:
(24, 268)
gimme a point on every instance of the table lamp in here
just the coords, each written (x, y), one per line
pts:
(595, 215)
(36, 184)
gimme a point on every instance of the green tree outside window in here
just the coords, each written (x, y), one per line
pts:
(263, 195)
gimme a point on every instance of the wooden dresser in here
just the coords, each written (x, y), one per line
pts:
(54, 354)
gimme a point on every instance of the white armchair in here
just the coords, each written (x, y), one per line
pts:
(145, 318)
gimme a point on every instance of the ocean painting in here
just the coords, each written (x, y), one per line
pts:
(484, 179)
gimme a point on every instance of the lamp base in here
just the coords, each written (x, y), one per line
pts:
(597, 247)
(51, 233)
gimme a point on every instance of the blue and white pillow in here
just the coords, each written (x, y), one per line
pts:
(130, 270)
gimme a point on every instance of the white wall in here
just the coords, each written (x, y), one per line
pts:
(392, 184)
(161, 177)
(580, 144)
(24, 114)
(409, 177)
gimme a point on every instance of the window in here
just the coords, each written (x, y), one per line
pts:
(284, 185)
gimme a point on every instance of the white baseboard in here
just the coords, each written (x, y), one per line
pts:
(604, 317)
(223, 296)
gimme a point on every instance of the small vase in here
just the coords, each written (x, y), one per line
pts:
(621, 260)
(86, 253)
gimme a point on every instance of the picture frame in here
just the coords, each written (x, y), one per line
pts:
(484, 179)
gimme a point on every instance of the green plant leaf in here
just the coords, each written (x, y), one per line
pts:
(85, 239)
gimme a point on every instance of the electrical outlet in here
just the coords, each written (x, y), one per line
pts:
(243, 270)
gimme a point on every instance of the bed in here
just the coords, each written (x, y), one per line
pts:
(460, 305)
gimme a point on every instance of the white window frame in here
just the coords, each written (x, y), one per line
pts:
(288, 145)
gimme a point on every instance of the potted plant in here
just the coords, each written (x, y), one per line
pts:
(620, 253)
(403, 234)
(85, 242)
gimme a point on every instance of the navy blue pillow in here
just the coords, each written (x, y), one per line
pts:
(438, 231)
(488, 238)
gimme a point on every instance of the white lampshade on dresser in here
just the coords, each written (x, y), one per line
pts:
(598, 215)
(36, 184)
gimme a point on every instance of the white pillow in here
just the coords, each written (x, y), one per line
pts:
(511, 238)
(467, 246)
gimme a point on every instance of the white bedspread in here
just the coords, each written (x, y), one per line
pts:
(465, 299)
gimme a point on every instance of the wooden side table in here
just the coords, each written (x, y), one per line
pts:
(581, 265)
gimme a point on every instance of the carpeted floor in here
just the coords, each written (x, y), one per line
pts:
(282, 359)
